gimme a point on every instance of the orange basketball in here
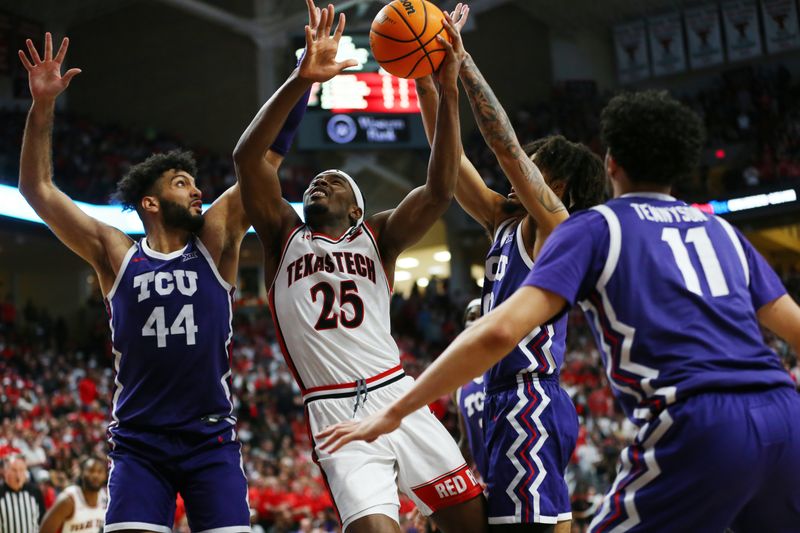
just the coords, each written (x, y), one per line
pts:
(403, 38)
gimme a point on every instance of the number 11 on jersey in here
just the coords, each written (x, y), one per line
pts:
(709, 261)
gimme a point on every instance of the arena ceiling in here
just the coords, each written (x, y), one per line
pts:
(254, 16)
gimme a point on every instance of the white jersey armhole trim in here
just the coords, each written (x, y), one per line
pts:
(203, 250)
(76, 498)
(614, 244)
(501, 227)
(77, 492)
(121, 272)
(523, 251)
(374, 241)
(286, 245)
(737, 244)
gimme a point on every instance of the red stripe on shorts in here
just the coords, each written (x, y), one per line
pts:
(449, 489)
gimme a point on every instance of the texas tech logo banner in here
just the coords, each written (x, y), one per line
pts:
(666, 44)
(780, 25)
(704, 36)
(630, 45)
(742, 35)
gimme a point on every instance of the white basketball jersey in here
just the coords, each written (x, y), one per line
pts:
(330, 302)
(85, 518)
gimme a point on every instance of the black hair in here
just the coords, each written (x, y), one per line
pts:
(573, 163)
(655, 138)
(139, 180)
(91, 457)
(85, 461)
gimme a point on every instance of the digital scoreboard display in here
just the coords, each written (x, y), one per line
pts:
(364, 107)
(366, 92)
(366, 88)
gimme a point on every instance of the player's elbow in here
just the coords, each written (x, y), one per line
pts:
(34, 193)
(501, 336)
(440, 194)
(245, 154)
(241, 154)
(443, 197)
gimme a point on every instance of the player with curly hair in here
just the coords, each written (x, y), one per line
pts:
(674, 297)
(169, 297)
(527, 449)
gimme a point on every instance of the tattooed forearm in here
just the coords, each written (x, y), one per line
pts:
(492, 119)
(500, 136)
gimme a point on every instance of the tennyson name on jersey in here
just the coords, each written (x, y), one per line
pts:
(349, 262)
(669, 214)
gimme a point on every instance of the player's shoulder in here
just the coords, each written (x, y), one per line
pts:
(592, 219)
(71, 494)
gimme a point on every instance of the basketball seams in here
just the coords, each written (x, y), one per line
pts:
(391, 42)
(414, 50)
(394, 39)
(424, 29)
(414, 33)
(408, 25)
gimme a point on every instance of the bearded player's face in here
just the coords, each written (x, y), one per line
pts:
(181, 201)
(94, 475)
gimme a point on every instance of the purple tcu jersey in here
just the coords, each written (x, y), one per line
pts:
(171, 336)
(671, 295)
(507, 266)
(470, 404)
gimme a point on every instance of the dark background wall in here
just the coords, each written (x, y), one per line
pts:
(149, 65)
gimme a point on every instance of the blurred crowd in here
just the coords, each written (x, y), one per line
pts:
(55, 390)
(56, 378)
(89, 158)
(751, 113)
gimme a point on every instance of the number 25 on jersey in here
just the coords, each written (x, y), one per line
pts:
(348, 295)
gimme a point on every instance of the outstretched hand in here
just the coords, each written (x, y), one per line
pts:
(319, 63)
(455, 54)
(367, 430)
(459, 16)
(44, 75)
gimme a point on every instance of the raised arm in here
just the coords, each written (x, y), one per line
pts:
(401, 227)
(226, 221)
(99, 244)
(257, 174)
(472, 194)
(537, 198)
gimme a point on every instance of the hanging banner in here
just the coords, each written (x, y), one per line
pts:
(742, 36)
(666, 44)
(630, 44)
(704, 36)
(780, 25)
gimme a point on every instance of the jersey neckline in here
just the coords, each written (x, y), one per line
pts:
(320, 235)
(158, 255)
(655, 195)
